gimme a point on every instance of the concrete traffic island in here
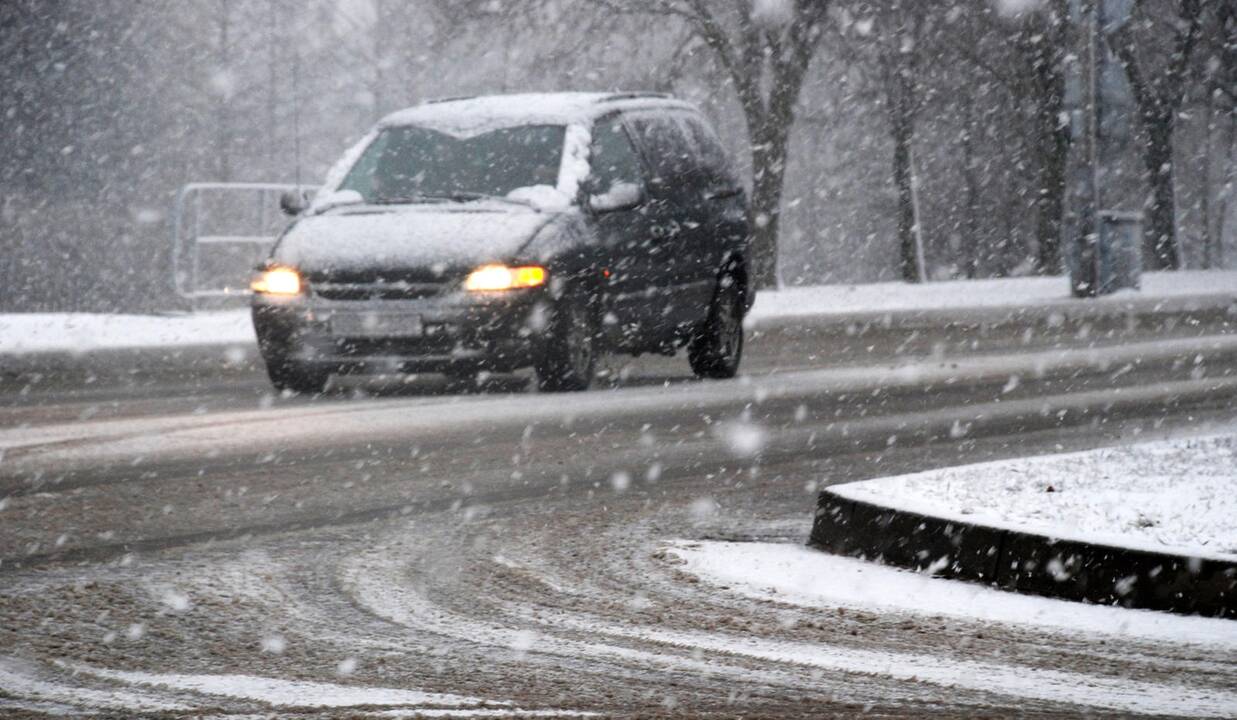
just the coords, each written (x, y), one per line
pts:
(1145, 526)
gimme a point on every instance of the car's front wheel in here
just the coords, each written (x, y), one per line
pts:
(567, 357)
(296, 377)
(717, 347)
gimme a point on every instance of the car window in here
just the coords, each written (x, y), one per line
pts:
(714, 162)
(667, 148)
(612, 159)
(407, 162)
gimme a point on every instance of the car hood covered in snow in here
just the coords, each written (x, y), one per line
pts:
(420, 236)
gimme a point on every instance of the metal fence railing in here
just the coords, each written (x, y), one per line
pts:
(220, 232)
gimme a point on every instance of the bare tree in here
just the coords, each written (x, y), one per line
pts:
(1158, 78)
(765, 48)
(890, 36)
(1043, 44)
(1220, 117)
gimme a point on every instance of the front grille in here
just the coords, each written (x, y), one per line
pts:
(377, 290)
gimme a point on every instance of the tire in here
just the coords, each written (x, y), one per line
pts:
(716, 349)
(568, 356)
(292, 376)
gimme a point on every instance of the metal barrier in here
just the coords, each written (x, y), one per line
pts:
(218, 236)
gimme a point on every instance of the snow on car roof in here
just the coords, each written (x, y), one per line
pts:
(470, 116)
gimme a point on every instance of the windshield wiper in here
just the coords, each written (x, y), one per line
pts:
(430, 197)
(457, 196)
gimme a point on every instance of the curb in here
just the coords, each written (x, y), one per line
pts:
(1025, 562)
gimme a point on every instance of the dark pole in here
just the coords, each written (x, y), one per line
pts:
(1088, 257)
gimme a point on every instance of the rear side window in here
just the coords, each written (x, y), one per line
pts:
(715, 164)
(612, 158)
(667, 148)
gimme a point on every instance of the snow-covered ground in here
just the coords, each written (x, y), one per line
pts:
(85, 332)
(798, 575)
(154, 692)
(1173, 496)
(959, 294)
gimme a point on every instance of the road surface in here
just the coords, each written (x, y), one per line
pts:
(207, 548)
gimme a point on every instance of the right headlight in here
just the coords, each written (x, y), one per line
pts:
(492, 278)
(278, 281)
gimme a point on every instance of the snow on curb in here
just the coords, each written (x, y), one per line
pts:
(1174, 496)
(801, 576)
(896, 297)
(1146, 526)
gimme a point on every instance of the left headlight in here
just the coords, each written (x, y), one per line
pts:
(278, 281)
(490, 278)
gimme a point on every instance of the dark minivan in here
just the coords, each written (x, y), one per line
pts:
(496, 233)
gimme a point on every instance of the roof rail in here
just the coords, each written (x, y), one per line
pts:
(449, 98)
(634, 96)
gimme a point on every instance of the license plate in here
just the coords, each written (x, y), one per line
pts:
(375, 325)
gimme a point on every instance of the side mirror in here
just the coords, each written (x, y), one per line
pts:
(620, 196)
(294, 202)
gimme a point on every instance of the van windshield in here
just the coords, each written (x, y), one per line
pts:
(411, 164)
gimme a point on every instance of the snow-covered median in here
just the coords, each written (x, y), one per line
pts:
(1172, 496)
(24, 333)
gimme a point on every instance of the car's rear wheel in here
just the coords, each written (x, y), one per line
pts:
(296, 377)
(716, 348)
(567, 358)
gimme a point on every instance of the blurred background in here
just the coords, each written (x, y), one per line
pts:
(860, 125)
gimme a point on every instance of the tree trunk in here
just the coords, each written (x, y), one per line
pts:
(1160, 235)
(903, 135)
(1053, 145)
(1226, 189)
(1204, 195)
(970, 243)
(1052, 138)
(769, 148)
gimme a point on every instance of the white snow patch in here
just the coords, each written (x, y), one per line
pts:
(1171, 496)
(474, 116)
(284, 693)
(22, 333)
(1013, 8)
(542, 197)
(575, 163)
(20, 680)
(773, 13)
(801, 576)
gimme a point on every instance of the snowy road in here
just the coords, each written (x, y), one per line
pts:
(512, 554)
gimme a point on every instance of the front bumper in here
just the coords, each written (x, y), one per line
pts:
(455, 331)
